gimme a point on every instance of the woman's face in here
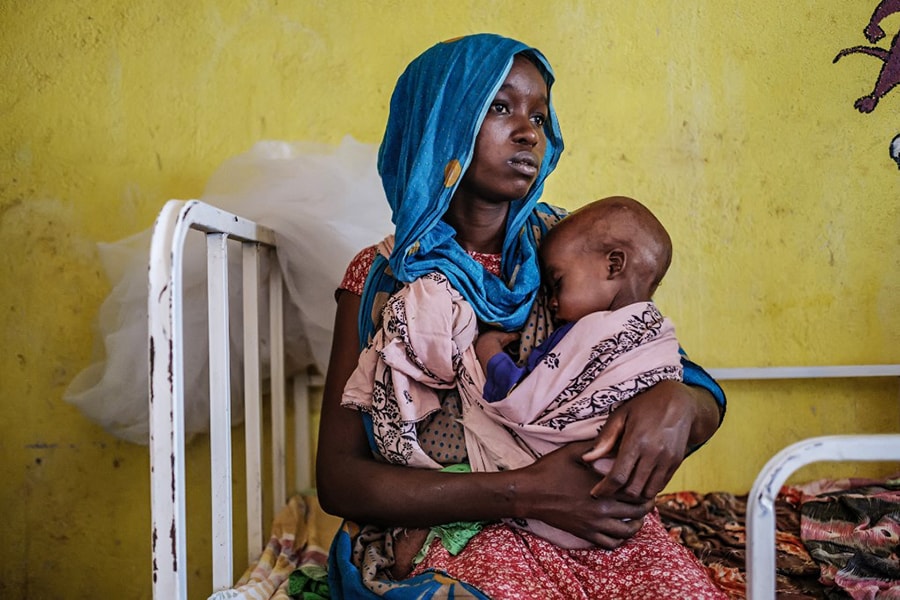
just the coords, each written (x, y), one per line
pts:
(511, 143)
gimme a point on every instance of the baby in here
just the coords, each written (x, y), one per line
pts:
(607, 255)
(601, 266)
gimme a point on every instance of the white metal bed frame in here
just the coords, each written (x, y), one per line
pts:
(166, 346)
(166, 395)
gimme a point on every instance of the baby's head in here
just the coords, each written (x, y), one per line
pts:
(604, 256)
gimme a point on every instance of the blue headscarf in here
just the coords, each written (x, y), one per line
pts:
(436, 112)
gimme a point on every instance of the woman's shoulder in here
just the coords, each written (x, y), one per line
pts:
(550, 214)
(552, 209)
(358, 270)
(355, 276)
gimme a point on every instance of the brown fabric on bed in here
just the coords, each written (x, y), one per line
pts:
(712, 526)
(852, 529)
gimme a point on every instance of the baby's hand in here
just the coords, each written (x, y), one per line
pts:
(492, 342)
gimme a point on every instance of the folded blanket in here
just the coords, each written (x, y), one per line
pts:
(301, 532)
(414, 358)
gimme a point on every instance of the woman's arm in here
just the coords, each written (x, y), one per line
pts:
(650, 435)
(352, 484)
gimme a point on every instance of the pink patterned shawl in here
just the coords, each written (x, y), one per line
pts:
(425, 345)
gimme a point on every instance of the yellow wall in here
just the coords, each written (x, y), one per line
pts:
(727, 118)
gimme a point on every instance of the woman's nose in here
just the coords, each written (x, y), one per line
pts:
(526, 132)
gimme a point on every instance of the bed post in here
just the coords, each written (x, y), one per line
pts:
(220, 410)
(166, 394)
(166, 415)
(253, 433)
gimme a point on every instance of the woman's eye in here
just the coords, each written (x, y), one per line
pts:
(539, 120)
(499, 107)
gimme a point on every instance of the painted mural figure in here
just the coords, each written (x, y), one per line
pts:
(895, 149)
(890, 71)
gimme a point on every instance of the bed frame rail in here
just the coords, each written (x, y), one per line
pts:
(761, 502)
(166, 348)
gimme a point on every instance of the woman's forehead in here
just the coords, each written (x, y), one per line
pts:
(525, 76)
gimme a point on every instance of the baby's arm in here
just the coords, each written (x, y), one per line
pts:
(491, 343)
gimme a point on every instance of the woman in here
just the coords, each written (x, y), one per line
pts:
(470, 140)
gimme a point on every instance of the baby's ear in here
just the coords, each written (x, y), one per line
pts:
(616, 259)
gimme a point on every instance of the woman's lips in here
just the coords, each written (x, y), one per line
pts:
(525, 163)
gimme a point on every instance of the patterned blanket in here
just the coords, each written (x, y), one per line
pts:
(292, 564)
(834, 538)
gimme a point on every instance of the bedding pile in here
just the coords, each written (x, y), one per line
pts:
(834, 538)
(323, 202)
(292, 564)
(712, 526)
(852, 530)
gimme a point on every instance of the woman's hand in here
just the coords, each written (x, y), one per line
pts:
(650, 435)
(556, 491)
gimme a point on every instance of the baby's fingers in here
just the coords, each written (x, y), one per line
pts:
(511, 336)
